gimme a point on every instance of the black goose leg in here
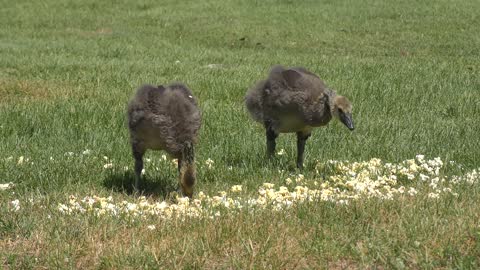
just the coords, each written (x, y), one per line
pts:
(301, 140)
(138, 153)
(271, 144)
(180, 189)
(179, 162)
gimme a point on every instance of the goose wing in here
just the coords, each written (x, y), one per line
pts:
(293, 89)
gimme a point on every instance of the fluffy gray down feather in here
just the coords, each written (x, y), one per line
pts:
(290, 92)
(164, 118)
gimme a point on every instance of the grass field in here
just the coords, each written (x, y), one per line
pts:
(411, 69)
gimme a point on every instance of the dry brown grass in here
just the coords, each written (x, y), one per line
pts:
(264, 240)
(225, 243)
(14, 90)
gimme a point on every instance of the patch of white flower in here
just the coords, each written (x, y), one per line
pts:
(345, 181)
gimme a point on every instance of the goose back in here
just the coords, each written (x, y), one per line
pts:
(290, 99)
(164, 118)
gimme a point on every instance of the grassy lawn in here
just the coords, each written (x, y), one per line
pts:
(410, 68)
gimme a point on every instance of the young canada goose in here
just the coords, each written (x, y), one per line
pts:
(295, 100)
(165, 118)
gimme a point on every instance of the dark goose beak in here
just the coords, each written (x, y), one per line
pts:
(347, 120)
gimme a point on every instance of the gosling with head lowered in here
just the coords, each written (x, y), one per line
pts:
(295, 100)
(165, 118)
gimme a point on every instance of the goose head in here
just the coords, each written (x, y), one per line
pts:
(342, 109)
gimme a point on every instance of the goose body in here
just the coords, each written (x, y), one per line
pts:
(295, 100)
(165, 118)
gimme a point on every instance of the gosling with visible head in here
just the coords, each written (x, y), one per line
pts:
(165, 118)
(295, 100)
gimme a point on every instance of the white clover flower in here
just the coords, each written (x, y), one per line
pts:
(227, 203)
(20, 160)
(72, 199)
(201, 195)
(209, 162)
(108, 166)
(271, 194)
(299, 179)
(142, 172)
(236, 188)
(112, 208)
(342, 202)
(268, 185)
(217, 200)
(423, 177)
(6, 186)
(230, 168)
(438, 161)
(148, 160)
(64, 209)
(151, 227)
(288, 181)
(100, 212)
(288, 203)
(412, 191)
(15, 205)
(197, 202)
(183, 201)
(432, 195)
(414, 167)
(283, 191)
(164, 158)
(88, 200)
(301, 190)
(87, 152)
(251, 202)
(175, 162)
(261, 201)
(281, 152)
(449, 190)
(131, 207)
(161, 206)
